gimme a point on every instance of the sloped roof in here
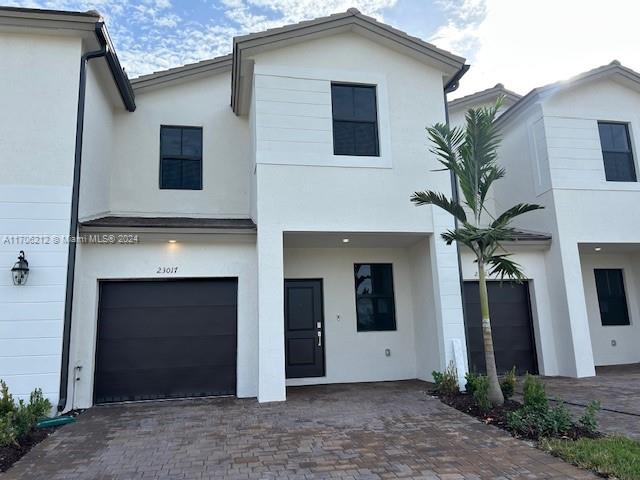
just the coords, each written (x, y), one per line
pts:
(83, 23)
(170, 222)
(615, 69)
(188, 71)
(485, 96)
(351, 20)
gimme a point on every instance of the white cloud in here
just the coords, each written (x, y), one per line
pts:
(528, 44)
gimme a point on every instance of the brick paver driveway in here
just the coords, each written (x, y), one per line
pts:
(381, 430)
(617, 388)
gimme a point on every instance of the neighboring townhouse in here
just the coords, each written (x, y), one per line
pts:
(245, 221)
(570, 146)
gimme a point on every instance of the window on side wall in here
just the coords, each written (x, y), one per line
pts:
(616, 151)
(180, 158)
(611, 296)
(355, 120)
(375, 305)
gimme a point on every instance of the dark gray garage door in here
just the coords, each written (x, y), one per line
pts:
(511, 326)
(166, 339)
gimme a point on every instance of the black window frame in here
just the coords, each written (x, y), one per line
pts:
(605, 153)
(390, 296)
(373, 122)
(605, 321)
(182, 157)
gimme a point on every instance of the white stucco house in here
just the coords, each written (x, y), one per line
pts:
(570, 146)
(243, 224)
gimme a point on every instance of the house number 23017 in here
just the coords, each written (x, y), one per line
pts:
(167, 270)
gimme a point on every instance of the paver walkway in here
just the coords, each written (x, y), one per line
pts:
(357, 431)
(617, 388)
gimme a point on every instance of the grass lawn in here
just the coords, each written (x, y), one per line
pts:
(615, 456)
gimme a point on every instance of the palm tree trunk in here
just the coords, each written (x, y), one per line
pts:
(495, 392)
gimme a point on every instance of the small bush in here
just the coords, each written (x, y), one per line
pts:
(17, 419)
(559, 421)
(481, 393)
(508, 383)
(535, 397)
(589, 420)
(447, 381)
(7, 404)
(8, 433)
(471, 378)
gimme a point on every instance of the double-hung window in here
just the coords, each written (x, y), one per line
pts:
(355, 120)
(181, 158)
(375, 305)
(616, 152)
(612, 298)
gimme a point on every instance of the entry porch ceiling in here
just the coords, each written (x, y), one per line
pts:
(355, 239)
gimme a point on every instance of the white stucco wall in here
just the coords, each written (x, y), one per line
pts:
(98, 141)
(353, 356)
(195, 256)
(302, 186)
(203, 102)
(38, 124)
(626, 338)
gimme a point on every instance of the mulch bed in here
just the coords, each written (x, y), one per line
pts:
(497, 416)
(12, 453)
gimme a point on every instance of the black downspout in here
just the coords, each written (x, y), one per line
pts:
(455, 194)
(73, 227)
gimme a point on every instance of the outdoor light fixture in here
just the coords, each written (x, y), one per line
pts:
(20, 270)
(172, 241)
(597, 249)
(345, 240)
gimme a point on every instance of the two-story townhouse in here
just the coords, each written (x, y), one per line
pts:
(570, 146)
(244, 221)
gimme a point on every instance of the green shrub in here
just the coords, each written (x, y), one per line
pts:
(481, 393)
(559, 421)
(508, 383)
(17, 419)
(7, 404)
(535, 397)
(447, 381)
(471, 378)
(589, 420)
(39, 406)
(8, 433)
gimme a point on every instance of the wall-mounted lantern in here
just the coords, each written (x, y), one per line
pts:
(20, 270)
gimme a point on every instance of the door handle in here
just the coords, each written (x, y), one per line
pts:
(319, 338)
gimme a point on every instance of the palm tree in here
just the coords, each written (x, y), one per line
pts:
(470, 153)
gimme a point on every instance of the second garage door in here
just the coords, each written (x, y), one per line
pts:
(166, 339)
(511, 326)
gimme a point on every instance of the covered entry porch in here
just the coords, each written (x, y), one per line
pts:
(365, 307)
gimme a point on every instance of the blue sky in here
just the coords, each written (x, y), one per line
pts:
(521, 43)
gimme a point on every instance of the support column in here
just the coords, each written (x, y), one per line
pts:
(271, 373)
(447, 296)
(573, 336)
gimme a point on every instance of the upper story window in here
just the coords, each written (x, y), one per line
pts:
(616, 152)
(181, 158)
(611, 296)
(355, 120)
(375, 305)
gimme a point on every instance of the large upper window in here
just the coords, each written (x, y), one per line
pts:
(355, 120)
(181, 158)
(616, 152)
(611, 296)
(375, 306)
